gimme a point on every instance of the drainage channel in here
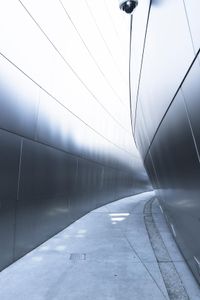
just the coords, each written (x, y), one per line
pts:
(171, 278)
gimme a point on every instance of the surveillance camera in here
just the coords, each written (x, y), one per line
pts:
(128, 5)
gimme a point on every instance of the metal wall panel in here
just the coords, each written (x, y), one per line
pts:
(168, 113)
(46, 184)
(9, 169)
(64, 93)
(191, 93)
(167, 57)
(177, 165)
(192, 10)
(56, 188)
(151, 170)
(58, 127)
(141, 132)
(139, 24)
(85, 66)
(19, 100)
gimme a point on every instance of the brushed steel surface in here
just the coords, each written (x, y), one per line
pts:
(191, 94)
(178, 170)
(19, 100)
(9, 169)
(167, 57)
(169, 106)
(192, 9)
(43, 207)
(62, 94)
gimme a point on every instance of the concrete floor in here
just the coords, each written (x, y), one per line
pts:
(106, 255)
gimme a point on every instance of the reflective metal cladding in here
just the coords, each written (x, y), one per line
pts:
(166, 95)
(65, 134)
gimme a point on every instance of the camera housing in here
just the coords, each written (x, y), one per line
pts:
(128, 5)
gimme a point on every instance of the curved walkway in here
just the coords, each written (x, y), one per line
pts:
(109, 254)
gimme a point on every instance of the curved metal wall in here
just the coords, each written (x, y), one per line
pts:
(165, 93)
(65, 134)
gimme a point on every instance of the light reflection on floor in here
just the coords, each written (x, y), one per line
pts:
(104, 255)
